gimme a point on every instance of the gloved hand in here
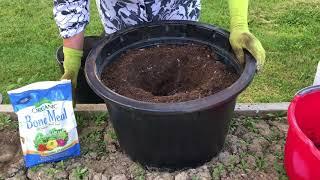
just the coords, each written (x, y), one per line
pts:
(71, 64)
(240, 36)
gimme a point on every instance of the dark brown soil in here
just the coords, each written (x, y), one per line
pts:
(10, 151)
(168, 73)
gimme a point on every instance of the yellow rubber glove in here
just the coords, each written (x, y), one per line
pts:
(240, 36)
(71, 65)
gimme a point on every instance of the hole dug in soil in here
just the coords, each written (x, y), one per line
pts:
(168, 73)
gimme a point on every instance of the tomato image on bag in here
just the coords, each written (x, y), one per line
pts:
(47, 122)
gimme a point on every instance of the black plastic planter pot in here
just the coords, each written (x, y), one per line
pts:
(84, 93)
(172, 135)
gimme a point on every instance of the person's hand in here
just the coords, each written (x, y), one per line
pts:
(243, 39)
(71, 65)
(240, 36)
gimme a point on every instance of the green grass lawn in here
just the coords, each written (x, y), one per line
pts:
(288, 29)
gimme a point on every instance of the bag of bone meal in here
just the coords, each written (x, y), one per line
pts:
(47, 124)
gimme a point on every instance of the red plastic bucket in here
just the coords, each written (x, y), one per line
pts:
(302, 149)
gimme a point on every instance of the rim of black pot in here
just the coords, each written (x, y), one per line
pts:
(221, 97)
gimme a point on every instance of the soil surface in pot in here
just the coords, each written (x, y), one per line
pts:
(168, 73)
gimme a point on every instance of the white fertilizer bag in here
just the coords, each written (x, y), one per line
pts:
(47, 124)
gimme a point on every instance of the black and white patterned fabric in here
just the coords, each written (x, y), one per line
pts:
(72, 16)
